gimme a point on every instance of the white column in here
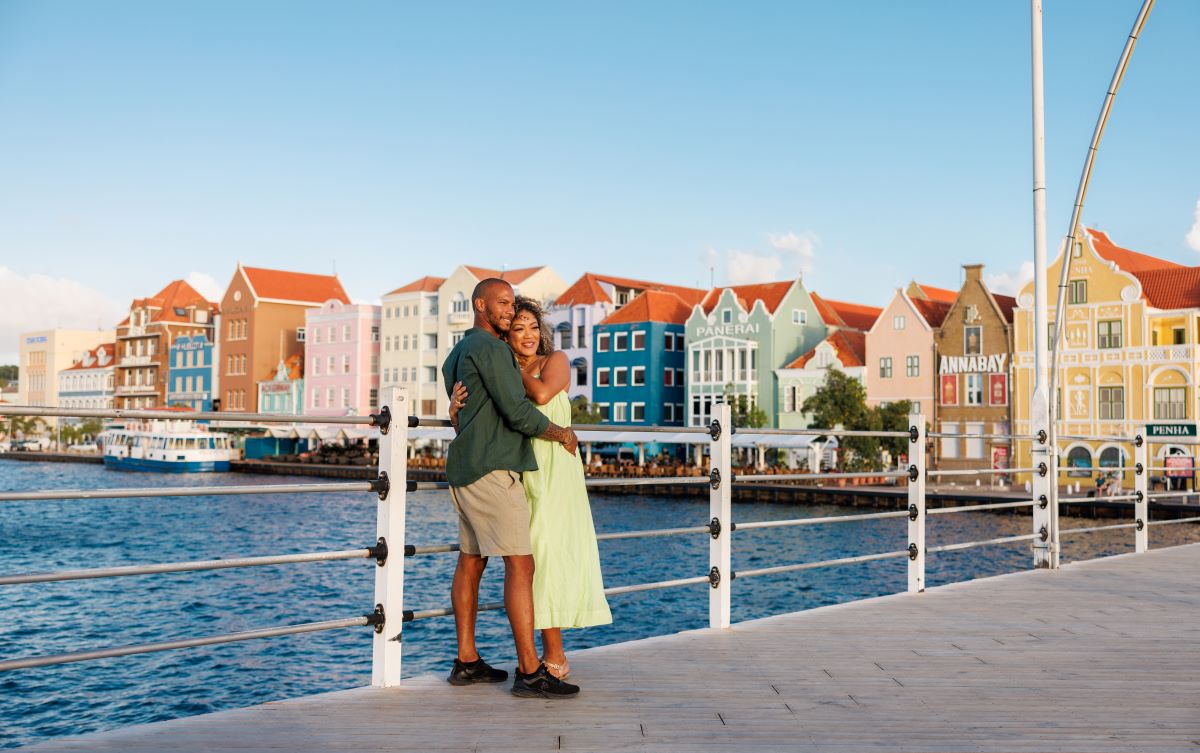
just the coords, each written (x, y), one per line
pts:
(1141, 487)
(916, 505)
(720, 507)
(389, 578)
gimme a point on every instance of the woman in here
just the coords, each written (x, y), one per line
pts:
(568, 590)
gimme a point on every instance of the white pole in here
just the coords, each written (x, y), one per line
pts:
(916, 505)
(1044, 555)
(1141, 487)
(720, 507)
(389, 578)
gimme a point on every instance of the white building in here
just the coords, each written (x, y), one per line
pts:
(90, 382)
(44, 354)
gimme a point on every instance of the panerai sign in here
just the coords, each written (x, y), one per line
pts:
(727, 329)
(974, 364)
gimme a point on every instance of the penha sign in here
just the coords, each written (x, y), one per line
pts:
(1170, 430)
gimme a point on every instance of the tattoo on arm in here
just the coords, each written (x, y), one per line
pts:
(555, 433)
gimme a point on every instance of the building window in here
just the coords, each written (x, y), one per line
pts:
(456, 338)
(431, 374)
(912, 366)
(620, 413)
(885, 367)
(974, 389)
(602, 377)
(1112, 403)
(789, 399)
(638, 411)
(949, 444)
(331, 369)
(680, 347)
(639, 340)
(972, 341)
(1077, 291)
(602, 342)
(897, 322)
(345, 397)
(668, 377)
(975, 445)
(317, 335)
(580, 340)
(605, 413)
(799, 316)
(581, 374)
(669, 341)
(564, 339)
(374, 368)
(668, 413)
(1170, 403)
(1108, 334)
(620, 341)
(374, 334)
(460, 305)
(1177, 336)
(345, 333)
(620, 376)
(637, 376)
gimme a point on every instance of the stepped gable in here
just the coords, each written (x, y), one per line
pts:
(294, 287)
(849, 345)
(854, 316)
(770, 293)
(652, 306)
(426, 284)
(513, 276)
(588, 290)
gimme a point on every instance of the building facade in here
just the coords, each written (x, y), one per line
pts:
(640, 360)
(44, 354)
(283, 393)
(89, 383)
(342, 348)
(901, 350)
(409, 354)
(262, 325)
(1129, 357)
(192, 373)
(973, 348)
(844, 351)
(144, 339)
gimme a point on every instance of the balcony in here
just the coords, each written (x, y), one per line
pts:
(136, 360)
(136, 389)
(132, 331)
(1169, 353)
(459, 317)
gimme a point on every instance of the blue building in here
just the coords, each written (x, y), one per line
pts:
(190, 373)
(639, 360)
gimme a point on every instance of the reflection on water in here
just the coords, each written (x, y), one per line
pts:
(61, 617)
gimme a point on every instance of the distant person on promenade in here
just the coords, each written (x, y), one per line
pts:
(568, 589)
(483, 467)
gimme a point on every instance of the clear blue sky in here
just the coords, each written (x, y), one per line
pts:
(865, 142)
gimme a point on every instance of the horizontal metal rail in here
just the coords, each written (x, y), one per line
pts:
(1091, 529)
(818, 521)
(411, 551)
(616, 428)
(957, 435)
(1185, 469)
(1171, 522)
(617, 535)
(1166, 495)
(1100, 498)
(146, 648)
(974, 508)
(1093, 438)
(175, 415)
(427, 486)
(819, 476)
(973, 544)
(815, 565)
(826, 432)
(189, 491)
(1065, 468)
(182, 567)
(649, 481)
(980, 472)
(442, 423)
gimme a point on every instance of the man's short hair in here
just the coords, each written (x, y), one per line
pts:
(484, 286)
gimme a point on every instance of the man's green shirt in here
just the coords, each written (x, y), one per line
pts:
(495, 425)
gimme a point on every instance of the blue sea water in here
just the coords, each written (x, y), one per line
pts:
(66, 534)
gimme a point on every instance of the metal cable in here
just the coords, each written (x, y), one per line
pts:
(188, 491)
(818, 521)
(814, 565)
(973, 508)
(973, 544)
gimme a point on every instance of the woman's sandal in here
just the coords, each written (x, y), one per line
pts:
(561, 671)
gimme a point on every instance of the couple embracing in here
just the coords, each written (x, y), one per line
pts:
(518, 488)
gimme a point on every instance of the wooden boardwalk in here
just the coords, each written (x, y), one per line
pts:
(1098, 656)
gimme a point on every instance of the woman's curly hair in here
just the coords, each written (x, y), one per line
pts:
(528, 305)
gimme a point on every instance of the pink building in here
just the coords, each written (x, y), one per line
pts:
(341, 344)
(900, 347)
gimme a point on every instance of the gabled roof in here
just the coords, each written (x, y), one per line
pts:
(1171, 288)
(849, 346)
(92, 358)
(426, 284)
(652, 306)
(1006, 303)
(164, 305)
(941, 295)
(845, 315)
(514, 276)
(933, 312)
(588, 290)
(294, 287)
(1128, 261)
(770, 293)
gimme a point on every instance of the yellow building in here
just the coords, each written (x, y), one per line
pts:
(1129, 356)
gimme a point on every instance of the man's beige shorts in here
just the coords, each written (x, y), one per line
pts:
(493, 515)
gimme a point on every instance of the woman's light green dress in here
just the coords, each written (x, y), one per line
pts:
(568, 590)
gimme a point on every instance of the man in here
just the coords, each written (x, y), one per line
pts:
(483, 467)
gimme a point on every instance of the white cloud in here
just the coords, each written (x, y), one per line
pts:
(1193, 235)
(206, 286)
(803, 247)
(744, 268)
(792, 255)
(1010, 284)
(34, 302)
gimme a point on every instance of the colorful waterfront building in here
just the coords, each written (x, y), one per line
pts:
(262, 325)
(842, 350)
(192, 373)
(588, 301)
(973, 349)
(283, 393)
(640, 358)
(144, 339)
(900, 347)
(1129, 357)
(44, 354)
(342, 348)
(89, 383)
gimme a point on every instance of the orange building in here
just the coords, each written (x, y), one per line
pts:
(262, 324)
(144, 341)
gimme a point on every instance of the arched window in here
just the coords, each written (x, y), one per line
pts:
(1110, 458)
(460, 305)
(1079, 457)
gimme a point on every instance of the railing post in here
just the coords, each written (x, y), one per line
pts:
(1044, 461)
(389, 577)
(1141, 488)
(916, 503)
(720, 510)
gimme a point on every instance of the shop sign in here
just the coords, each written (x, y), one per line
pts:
(997, 363)
(949, 389)
(275, 388)
(998, 389)
(1170, 430)
(999, 458)
(1178, 466)
(727, 330)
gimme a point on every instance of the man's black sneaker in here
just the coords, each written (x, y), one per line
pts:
(469, 673)
(541, 684)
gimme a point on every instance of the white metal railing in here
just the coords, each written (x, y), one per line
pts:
(387, 611)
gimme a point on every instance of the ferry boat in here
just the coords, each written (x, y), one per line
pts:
(174, 446)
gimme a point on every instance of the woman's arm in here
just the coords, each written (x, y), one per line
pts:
(555, 376)
(458, 398)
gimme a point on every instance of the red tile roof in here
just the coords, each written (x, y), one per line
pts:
(652, 306)
(933, 312)
(1171, 288)
(1128, 261)
(588, 290)
(176, 295)
(1006, 303)
(424, 285)
(770, 293)
(850, 347)
(940, 295)
(845, 315)
(298, 287)
(109, 348)
(514, 276)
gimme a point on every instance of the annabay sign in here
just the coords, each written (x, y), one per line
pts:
(974, 364)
